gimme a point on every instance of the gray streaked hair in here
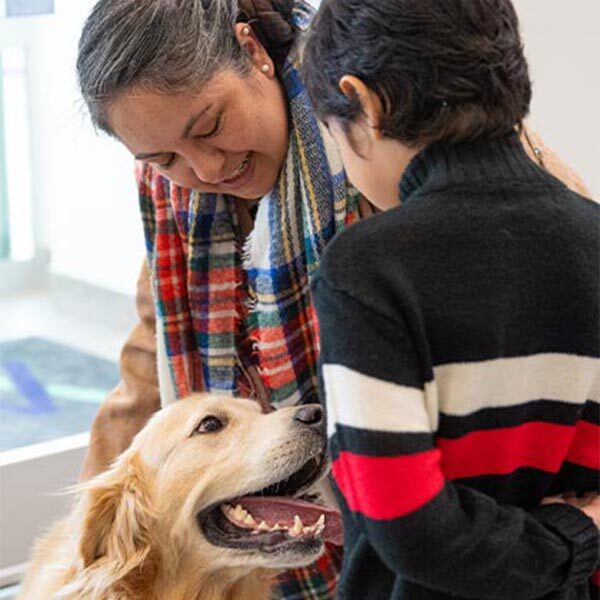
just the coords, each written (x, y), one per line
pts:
(164, 45)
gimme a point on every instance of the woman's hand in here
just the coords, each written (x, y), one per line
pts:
(589, 503)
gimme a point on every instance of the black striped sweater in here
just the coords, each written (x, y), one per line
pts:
(460, 363)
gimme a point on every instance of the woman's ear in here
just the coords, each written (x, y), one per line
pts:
(352, 87)
(251, 44)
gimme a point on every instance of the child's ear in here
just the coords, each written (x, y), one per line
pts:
(372, 109)
(116, 537)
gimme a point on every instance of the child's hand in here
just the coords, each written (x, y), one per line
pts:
(589, 503)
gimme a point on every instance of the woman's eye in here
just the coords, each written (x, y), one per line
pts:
(213, 131)
(169, 163)
(209, 424)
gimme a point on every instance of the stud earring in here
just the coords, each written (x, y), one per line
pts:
(246, 30)
(265, 68)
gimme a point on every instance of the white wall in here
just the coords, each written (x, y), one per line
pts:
(92, 222)
(562, 43)
(85, 196)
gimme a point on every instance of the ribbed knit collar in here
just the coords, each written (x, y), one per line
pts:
(443, 164)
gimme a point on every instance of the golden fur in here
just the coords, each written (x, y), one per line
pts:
(133, 533)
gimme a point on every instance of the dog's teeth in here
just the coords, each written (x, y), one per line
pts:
(263, 527)
(298, 526)
(239, 512)
(277, 527)
(249, 519)
(321, 521)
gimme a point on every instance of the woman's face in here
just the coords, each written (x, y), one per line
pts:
(230, 137)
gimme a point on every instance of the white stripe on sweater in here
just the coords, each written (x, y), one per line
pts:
(465, 388)
(358, 400)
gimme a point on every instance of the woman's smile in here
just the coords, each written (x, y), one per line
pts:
(241, 176)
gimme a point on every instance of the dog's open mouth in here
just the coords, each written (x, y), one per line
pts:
(273, 517)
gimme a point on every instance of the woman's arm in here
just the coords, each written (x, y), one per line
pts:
(134, 400)
(546, 157)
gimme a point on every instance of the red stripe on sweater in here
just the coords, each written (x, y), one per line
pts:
(388, 487)
(585, 449)
(596, 578)
(504, 450)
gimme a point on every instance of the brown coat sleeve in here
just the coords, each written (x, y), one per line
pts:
(128, 407)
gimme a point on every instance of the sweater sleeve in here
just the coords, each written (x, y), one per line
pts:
(382, 417)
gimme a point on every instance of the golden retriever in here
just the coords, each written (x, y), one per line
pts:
(203, 505)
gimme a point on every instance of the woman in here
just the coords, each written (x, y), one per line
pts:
(207, 96)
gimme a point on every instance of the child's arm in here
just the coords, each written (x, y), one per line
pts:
(444, 536)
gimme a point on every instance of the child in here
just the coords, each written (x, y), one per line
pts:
(460, 328)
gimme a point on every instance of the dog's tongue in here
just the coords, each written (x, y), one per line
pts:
(282, 510)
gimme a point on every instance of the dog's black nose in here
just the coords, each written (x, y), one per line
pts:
(311, 415)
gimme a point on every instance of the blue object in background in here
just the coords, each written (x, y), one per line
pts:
(38, 400)
(28, 8)
(49, 390)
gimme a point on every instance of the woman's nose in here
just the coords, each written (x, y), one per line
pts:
(208, 165)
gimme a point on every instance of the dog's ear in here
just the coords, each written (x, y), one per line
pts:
(116, 542)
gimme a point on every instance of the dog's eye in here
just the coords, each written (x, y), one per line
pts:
(208, 425)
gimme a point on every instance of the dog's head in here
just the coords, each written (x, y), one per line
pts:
(212, 483)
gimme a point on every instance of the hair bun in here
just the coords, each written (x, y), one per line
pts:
(271, 21)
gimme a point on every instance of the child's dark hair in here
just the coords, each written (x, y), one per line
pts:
(443, 69)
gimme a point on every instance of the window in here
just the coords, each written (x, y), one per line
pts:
(15, 166)
(4, 228)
